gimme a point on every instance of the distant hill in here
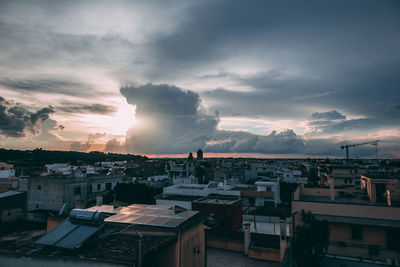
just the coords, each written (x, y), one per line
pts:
(39, 157)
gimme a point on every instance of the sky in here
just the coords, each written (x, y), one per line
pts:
(230, 77)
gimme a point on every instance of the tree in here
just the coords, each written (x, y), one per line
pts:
(311, 240)
(131, 193)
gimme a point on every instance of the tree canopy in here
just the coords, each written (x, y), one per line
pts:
(311, 240)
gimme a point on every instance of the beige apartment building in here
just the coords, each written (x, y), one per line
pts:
(364, 222)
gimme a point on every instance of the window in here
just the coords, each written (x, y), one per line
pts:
(108, 186)
(90, 188)
(268, 188)
(356, 232)
(98, 187)
(39, 187)
(392, 239)
(252, 201)
(77, 190)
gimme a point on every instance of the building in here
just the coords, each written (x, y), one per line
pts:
(342, 176)
(225, 229)
(363, 229)
(6, 170)
(65, 192)
(12, 206)
(199, 154)
(229, 208)
(137, 235)
(265, 193)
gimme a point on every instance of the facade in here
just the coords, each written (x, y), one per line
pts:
(361, 228)
(229, 208)
(342, 176)
(12, 206)
(6, 170)
(62, 193)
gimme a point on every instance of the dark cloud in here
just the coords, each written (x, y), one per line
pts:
(333, 122)
(277, 60)
(170, 120)
(328, 115)
(51, 86)
(162, 100)
(16, 121)
(102, 109)
(174, 123)
(284, 142)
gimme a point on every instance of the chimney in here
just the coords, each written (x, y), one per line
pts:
(332, 187)
(247, 236)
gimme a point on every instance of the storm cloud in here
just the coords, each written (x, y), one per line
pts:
(284, 76)
(170, 120)
(16, 121)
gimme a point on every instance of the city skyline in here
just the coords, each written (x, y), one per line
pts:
(231, 78)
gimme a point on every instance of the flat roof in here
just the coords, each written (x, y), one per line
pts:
(218, 199)
(357, 220)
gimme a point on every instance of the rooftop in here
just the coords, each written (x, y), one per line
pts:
(218, 199)
(117, 248)
(178, 197)
(146, 215)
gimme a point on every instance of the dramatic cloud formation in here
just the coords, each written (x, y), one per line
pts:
(16, 121)
(169, 119)
(327, 70)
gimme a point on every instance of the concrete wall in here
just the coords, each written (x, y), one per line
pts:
(166, 257)
(357, 211)
(262, 253)
(193, 249)
(227, 244)
(325, 192)
(44, 193)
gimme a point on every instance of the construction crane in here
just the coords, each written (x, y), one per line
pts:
(374, 143)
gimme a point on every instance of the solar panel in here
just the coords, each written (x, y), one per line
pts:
(143, 219)
(158, 221)
(153, 215)
(57, 233)
(71, 234)
(79, 235)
